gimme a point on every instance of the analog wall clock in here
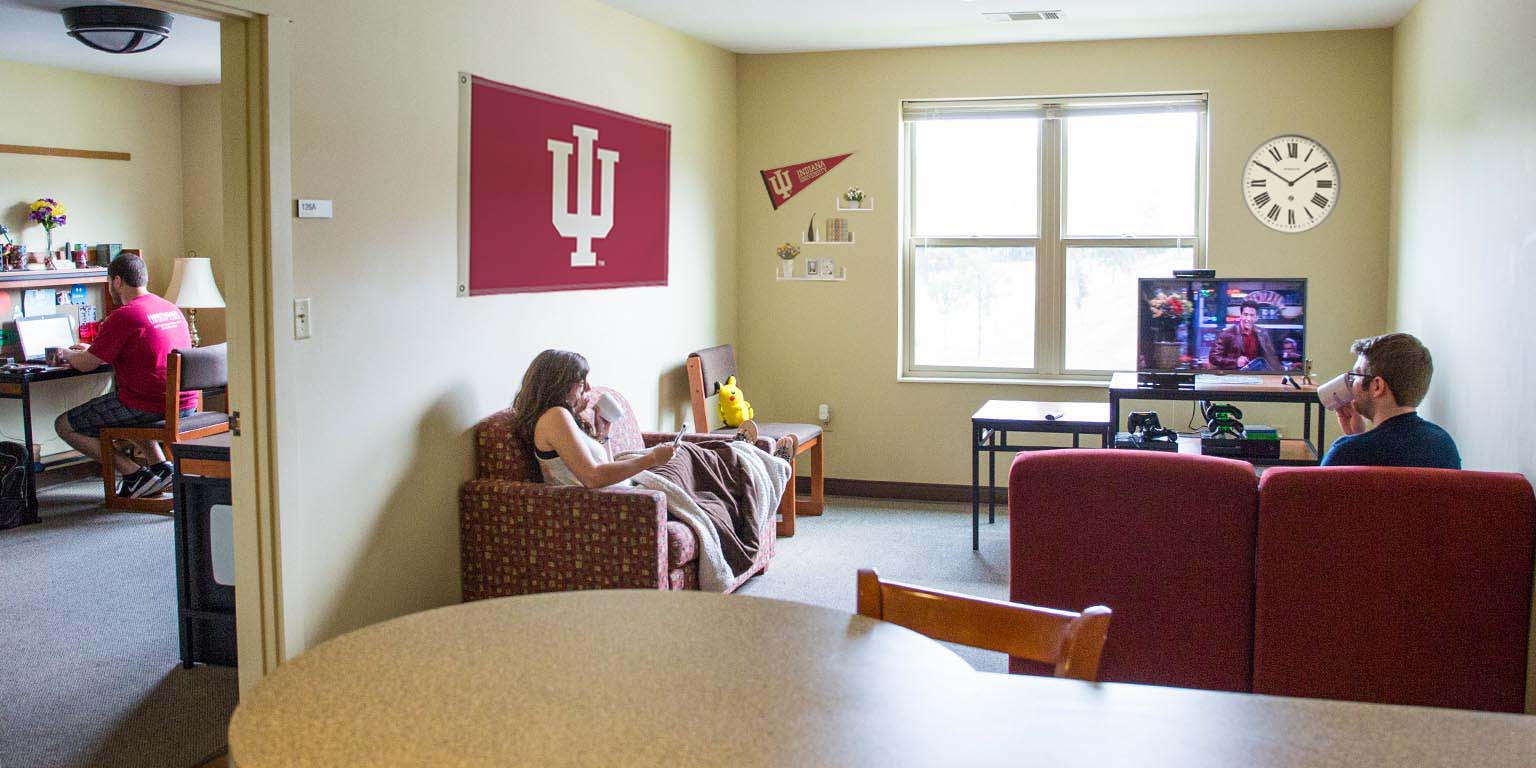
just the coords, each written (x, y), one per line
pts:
(1291, 183)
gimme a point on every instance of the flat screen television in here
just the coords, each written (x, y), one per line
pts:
(1247, 325)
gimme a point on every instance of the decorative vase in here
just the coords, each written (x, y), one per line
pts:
(786, 267)
(853, 205)
(1165, 354)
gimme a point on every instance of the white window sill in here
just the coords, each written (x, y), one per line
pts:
(1043, 381)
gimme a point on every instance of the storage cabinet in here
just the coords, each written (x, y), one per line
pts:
(205, 583)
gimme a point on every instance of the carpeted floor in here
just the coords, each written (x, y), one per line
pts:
(90, 673)
(926, 543)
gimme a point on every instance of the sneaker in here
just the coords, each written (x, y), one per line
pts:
(160, 477)
(747, 431)
(785, 448)
(133, 482)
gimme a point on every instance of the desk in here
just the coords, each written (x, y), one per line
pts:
(650, 678)
(18, 386)
(997, 418)
(1295, 452)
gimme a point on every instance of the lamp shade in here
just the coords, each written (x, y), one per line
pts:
(118, 28)
(192, 285)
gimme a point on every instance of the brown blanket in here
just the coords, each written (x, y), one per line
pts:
(718, 479)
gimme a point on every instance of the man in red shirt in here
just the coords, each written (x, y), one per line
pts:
(135, 340)
(1243, 343)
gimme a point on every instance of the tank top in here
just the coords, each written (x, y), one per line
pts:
(555, 470)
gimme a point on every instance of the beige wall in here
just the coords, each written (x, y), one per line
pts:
(202, 179)
(399, 370)
(137, 203)
(806, 343)
(1464, 233)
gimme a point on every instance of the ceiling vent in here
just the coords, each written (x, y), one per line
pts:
(1024, 16)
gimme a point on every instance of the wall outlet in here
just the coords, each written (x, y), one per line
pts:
(301, 318)
(824, 415)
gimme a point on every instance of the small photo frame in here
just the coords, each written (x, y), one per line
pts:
(827, 268)
(813, 267)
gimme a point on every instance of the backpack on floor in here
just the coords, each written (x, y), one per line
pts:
(13, 484)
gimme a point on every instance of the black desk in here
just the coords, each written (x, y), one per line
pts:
(16, 385)
(989, 434)
(1294, 452)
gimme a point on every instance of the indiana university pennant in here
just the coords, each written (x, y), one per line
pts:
(786, 182)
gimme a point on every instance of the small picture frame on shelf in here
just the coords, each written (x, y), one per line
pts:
(813, 267)
(826, 268)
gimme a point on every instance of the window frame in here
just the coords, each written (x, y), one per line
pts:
(1050, 244)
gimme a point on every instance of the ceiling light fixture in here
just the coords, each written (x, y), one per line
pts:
(1023, 16)
(118, 28)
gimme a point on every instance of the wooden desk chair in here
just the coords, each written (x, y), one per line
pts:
(707, 369)
(1070, 641)
(198, 368)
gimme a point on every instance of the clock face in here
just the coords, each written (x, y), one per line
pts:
(1291, 183)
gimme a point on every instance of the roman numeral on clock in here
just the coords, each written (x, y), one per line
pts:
(1275, 153)
(1274, 213)
(1261, 199)
(1318, 168)
(1309, 154)
(1320, 201)
(1325, 183)
(1292, 148)
(1290, 218)
(1259, 183)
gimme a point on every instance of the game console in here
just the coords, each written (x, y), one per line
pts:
(1146, 433)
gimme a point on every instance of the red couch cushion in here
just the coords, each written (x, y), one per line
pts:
(1166, 541)
(1405, 586)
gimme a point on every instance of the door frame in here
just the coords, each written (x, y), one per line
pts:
(255, 99)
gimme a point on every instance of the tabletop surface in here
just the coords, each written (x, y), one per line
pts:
(1125, 381)
(1089, 414)
(48, 373)
(649, 678)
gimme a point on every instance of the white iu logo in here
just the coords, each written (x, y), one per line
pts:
(583, 224)
(780, 183)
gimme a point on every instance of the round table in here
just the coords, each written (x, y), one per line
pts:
(623, 678)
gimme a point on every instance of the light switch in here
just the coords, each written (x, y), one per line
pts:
(301, 318)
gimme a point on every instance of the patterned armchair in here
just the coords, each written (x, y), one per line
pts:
(519, 536)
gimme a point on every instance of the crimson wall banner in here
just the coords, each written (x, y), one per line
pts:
(557, 195)
(787, 181)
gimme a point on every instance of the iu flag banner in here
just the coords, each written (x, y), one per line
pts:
(786, 182)
(557, 195)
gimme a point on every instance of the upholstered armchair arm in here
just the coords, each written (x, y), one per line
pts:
(519, 538)
(653, 438)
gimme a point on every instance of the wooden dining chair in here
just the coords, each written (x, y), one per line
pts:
(1070, 641)
(706, 370)
(197, 368)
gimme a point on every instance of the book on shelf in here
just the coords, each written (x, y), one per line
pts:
(837, 230)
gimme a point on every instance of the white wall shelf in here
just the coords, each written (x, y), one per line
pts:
(803, 279)
(826, 242)
(841, 205)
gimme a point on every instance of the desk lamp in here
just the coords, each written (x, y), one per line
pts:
(192, 288)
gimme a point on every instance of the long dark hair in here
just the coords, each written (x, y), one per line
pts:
(546, 384)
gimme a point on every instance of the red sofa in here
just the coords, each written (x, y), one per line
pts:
(1391, 585)
(519, 536)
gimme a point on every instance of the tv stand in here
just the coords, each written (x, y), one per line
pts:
(1165, 380)
(1269, 388)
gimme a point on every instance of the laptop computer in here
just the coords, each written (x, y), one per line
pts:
(37, 334)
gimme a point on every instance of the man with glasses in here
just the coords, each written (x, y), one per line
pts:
(1389, 380)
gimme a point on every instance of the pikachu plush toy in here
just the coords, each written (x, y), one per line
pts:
(734, 408)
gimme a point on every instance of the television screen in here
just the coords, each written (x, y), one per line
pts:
(1233, 324)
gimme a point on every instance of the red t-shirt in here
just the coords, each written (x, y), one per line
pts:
(1250, 345)
(135, 340)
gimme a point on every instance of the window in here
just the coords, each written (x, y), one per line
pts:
(1029, 221)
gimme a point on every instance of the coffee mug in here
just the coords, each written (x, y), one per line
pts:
(1336, 392)
(608, 407)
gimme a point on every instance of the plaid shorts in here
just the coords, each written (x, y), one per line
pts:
(108, 411)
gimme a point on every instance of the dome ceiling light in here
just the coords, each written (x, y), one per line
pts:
(118, 28)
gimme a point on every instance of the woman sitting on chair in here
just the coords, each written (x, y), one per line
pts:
(571, 451)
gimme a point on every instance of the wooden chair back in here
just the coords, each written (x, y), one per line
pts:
(707, 368)
(1071, 641)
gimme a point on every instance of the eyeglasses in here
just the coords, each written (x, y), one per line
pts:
(1364, 377)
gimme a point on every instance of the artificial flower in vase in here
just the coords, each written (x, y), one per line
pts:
(1169, 311)
(49, 213)
(853, 199)
(787, 253)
